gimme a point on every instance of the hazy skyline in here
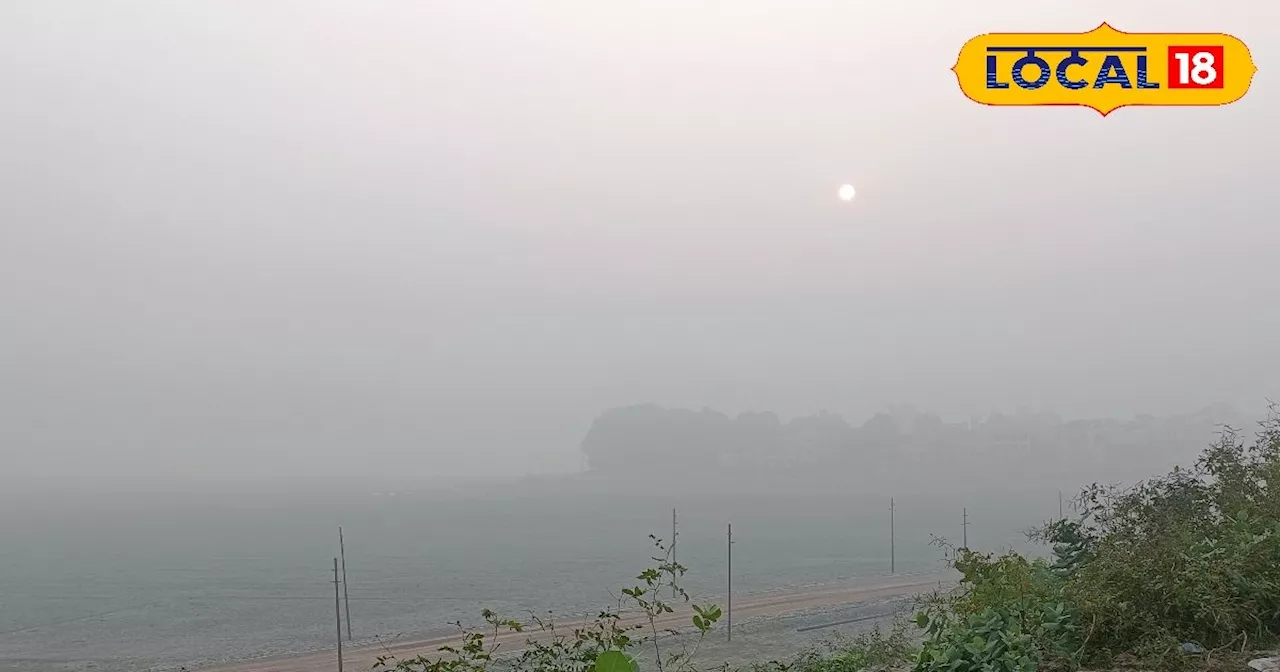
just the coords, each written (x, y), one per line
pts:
(298, 239)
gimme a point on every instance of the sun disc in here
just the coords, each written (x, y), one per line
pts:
(847, 192)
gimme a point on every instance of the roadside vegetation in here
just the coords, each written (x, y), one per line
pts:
(1178, 571)
(1181, 571)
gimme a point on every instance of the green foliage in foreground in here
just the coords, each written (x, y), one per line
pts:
(1192, 557)
(1008, 616)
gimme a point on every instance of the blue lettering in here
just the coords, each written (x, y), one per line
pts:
(1073, 59)
(1113, 69)
(1142, 75)
(1030, 59)
(1105, 76)
(992, 79)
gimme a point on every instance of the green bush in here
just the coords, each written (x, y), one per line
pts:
(1169, 572)
(1192, 556)
(1007, 616)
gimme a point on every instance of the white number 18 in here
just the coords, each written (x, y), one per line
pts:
(1198, 68)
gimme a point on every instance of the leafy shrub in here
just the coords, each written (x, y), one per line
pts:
(1006, 616)
(988, 641)
(1186, 563)
(1192, 556)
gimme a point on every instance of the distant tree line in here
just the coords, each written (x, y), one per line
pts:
(899, 445)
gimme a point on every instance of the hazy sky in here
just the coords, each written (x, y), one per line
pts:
(279, 239)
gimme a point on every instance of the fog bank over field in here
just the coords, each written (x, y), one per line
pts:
(270, 245)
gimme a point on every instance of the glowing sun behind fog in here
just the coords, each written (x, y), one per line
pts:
(847, 192)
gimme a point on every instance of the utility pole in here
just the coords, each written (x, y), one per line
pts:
(966, 528)
(892, 567)
(346, 599)
(673, 552)
(729, 610)
(1060, 516)
(337, 611)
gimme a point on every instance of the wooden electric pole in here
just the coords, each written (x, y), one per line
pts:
(337, 611)
(674, 590)
(346, 598)
(729, 610)
(892, 565)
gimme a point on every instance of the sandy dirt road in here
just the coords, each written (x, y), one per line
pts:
(747, 607)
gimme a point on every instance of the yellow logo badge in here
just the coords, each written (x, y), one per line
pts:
(1105, 69)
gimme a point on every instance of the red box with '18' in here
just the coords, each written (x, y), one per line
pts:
(1195, 67)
